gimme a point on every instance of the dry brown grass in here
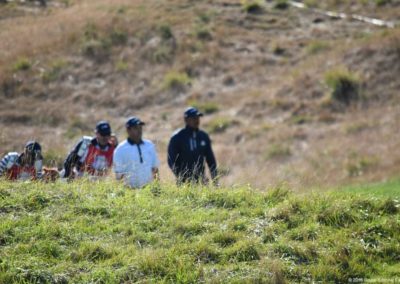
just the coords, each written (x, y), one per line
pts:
(276, 98)
(56, 31)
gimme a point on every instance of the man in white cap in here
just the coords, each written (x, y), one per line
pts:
(135, 159)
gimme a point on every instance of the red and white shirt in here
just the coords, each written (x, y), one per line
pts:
(12, 168)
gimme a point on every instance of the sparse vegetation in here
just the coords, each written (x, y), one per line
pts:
(204, 17)
(165, 32)
(311, 3)
(118, 37)
(102, 232)
(278, 50)
(255, 132)
(344, 84)
(122, 66)
(358, 166)
(22, 64)
(97, 43)
(203, 33)
(300, 119)
(354, 128)
(174, 80)
(277, 151)
(163, 54)
(76, 127)
(206, 107)
(281, 4)
(252, 6)
(163, 50)
(316, 47)
(382, 2)
(53, 72)
(219, 124)
(96, 49)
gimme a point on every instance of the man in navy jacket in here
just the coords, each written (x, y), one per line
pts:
(188, 148)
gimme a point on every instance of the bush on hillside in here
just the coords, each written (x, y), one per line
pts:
(22, 64)
(206, 107)
(220, 124)
(97, 49)
(281, 4)
(252, 6)
(177, 81)
(165, 32)
(277, 151)
(315, 47)
(382, 2)
(121, 66)
(203, 33)
(118, 37)
(96, 44)
(344, 85)
(54, 70)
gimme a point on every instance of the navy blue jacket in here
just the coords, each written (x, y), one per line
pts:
(187, 151)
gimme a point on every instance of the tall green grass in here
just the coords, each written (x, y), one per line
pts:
(104, 233)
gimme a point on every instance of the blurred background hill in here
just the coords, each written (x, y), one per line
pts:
(291, 95)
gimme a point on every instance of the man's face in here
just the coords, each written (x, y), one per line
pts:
(102, 139)
(135, 132)
(193, 122)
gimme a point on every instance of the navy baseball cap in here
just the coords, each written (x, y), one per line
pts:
(192, 112)
(33, 146)
(133, 121)
(103, 128)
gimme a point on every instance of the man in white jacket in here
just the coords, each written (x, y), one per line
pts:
(135, 159)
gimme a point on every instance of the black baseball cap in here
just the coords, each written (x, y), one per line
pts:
(103, 128)
(33, 146)
(192, 112)
(133, 121)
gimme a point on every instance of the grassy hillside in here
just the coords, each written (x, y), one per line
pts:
(301, 97)
(102, 233)
(387, 189)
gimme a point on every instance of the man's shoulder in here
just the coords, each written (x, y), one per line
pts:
(202, 133)
(148, 143)
(86, 141)
(178, 132)
(124, 144)
(10, 159)
(11, 156)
